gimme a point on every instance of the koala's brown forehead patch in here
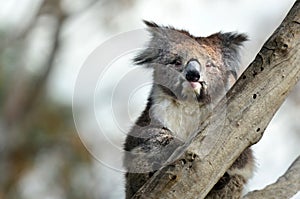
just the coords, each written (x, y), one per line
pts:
(180, 41)
(214, 42)
(213, 50)
(210, 47)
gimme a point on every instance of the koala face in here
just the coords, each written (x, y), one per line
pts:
(191, 68)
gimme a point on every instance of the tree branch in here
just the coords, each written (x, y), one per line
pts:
(285, 187)
(25, 92)
(237, 122)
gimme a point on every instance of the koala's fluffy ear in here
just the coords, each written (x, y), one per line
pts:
(230, 44)
(147, 56)
(151, 24)
(232, 40)
(153, 50)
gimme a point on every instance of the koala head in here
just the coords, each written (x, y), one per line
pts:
(188, 67)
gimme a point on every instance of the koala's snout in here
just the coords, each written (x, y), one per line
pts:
(192, 71)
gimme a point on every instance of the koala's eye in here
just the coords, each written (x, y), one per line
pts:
(210, 64)
(177, 62)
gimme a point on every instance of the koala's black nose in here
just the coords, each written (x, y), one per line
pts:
(192, 71)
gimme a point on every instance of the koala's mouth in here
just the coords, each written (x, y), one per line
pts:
(199, 87)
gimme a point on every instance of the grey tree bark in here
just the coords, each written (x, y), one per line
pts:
(236, 123)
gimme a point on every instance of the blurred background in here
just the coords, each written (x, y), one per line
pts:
(44, 44)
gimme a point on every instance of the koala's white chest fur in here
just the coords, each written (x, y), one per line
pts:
(182, 118)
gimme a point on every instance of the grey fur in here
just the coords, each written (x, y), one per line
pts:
(174, 108)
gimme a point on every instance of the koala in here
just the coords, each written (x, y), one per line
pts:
(190, 75)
